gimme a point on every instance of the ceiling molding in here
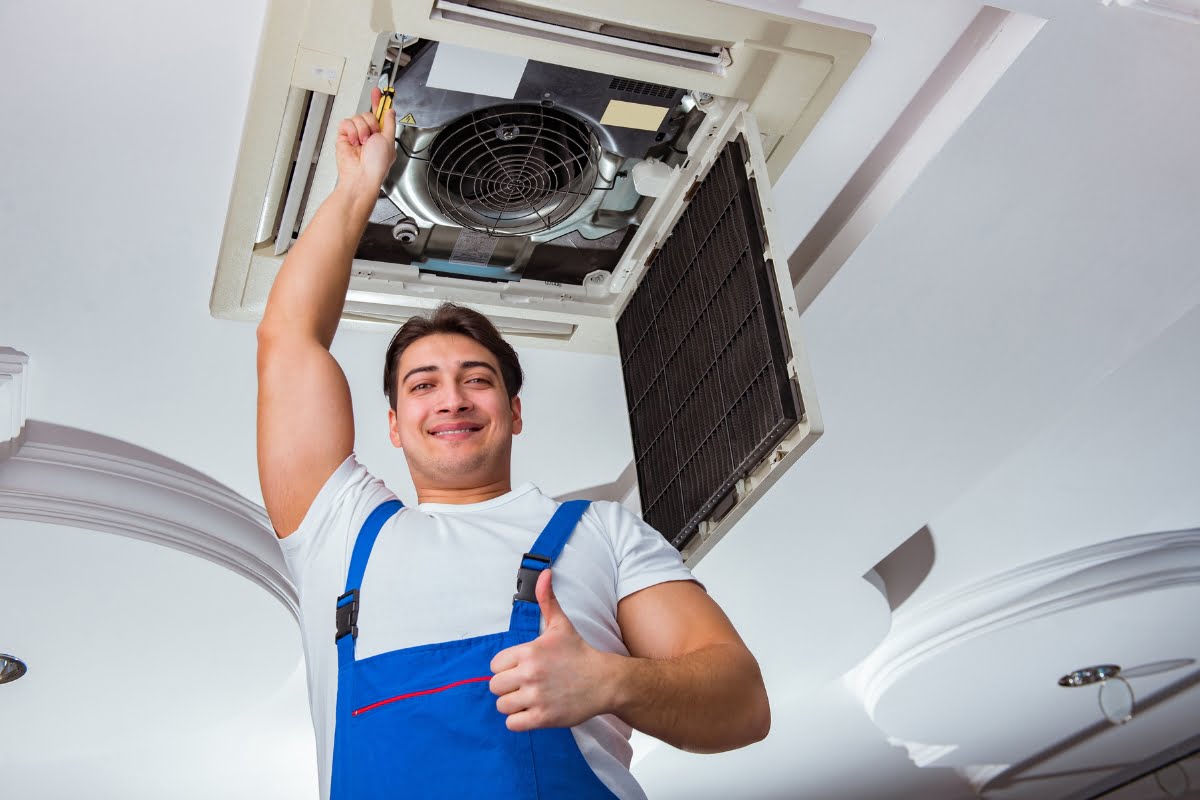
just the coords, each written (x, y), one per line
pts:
(68, 477)
(980, 775)
(14, 400)
(969, 70)
(925, 755)
(922, 754)
(1086, 576)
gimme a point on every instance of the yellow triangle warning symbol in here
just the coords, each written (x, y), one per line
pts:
(407, 119)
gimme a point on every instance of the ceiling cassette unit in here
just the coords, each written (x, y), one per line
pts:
(592, 176)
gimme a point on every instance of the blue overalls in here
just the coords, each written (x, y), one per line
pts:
(421, 722)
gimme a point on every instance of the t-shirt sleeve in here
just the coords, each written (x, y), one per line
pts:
(334, 517)
(644, 557)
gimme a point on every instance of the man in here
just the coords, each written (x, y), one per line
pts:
(425, 678)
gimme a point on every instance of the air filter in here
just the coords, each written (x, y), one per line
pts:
(704, 355)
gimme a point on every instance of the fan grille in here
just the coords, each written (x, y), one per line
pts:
(513, 170)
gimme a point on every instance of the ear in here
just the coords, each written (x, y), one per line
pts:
(393, 429)
(516, 413)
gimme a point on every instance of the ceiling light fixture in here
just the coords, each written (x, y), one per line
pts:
(1116, 695)
(11, 668)
(1087, 675)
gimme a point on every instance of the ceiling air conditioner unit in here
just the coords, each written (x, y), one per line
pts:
(592, 176)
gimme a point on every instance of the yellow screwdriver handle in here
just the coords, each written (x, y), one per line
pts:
(385, 105)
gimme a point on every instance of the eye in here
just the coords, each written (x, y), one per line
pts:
(478, 379)
(416, 387)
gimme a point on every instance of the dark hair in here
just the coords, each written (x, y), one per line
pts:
(450, 318)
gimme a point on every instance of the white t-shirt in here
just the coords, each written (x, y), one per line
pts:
(441, 572)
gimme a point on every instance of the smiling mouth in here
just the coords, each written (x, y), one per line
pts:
(457, 431)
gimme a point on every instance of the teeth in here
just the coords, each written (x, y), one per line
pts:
(461, 430)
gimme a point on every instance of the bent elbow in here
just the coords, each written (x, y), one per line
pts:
(764, 727)
(267, 332)
(760, 724)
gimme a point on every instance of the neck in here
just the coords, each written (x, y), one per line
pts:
(462, 496)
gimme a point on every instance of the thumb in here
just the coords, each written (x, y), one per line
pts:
(552, 612)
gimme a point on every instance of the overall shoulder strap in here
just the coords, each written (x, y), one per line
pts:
(366, 540)
(545, 550)
(554, 536)
(347, 604)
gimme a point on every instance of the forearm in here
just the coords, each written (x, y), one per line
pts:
(310, 289)
(707, 701)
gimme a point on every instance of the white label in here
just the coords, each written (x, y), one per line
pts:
(465, 69)
(473, 247)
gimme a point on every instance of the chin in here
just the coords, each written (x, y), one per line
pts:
(457, 469)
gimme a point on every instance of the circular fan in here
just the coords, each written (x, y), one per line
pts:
(514, 169)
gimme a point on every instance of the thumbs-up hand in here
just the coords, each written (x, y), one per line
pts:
(556, 681)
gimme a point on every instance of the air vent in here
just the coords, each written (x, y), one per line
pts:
(587, 32)
(704, 356)
(305, 119)
(365, 307)
(643, 88)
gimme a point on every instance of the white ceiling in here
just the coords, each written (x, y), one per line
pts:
(147, 625)
(1009, 358)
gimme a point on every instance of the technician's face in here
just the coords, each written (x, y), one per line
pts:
(453, 417)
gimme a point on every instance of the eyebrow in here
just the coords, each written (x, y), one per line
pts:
(462, 365)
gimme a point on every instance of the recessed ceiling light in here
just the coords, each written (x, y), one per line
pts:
(1097, 674)
(11, 668)
(1116, 695)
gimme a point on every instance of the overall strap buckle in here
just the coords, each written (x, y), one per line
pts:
(347, 615)
(527, 578)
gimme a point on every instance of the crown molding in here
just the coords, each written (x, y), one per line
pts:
(980, 775)
(14, 400)
(920, 753)
(1086, 576)
(109, 486)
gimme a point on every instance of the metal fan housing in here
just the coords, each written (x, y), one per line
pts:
(513, 170)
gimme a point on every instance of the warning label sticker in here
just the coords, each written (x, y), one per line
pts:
(473, 247)
(408, 119)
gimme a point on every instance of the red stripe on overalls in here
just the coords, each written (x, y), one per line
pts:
(400, 697)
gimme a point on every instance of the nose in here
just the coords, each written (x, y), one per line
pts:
(453, 399)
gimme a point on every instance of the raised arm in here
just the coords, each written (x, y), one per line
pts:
(305, 421)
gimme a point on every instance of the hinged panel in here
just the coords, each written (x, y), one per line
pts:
(709, 351)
